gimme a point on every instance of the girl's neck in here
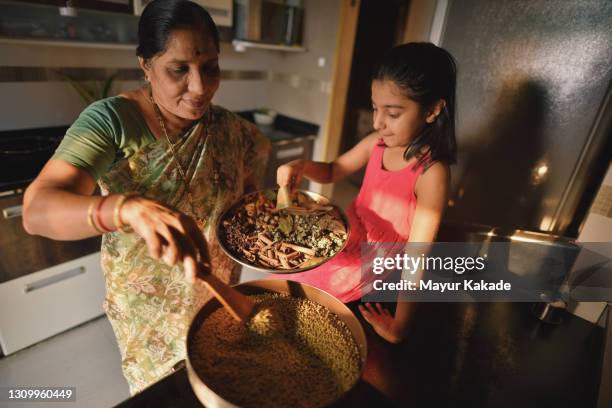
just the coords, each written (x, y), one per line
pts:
(393, 158)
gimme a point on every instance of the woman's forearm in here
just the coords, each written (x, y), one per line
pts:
(63, 215)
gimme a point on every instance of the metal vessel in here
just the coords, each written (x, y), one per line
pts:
(318, 198)
(204, 393)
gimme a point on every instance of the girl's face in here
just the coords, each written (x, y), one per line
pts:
(185, 77)
(397, 118)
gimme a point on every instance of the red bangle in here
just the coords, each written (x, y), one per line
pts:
(99, 218)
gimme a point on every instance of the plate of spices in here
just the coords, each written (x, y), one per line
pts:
(302, 236)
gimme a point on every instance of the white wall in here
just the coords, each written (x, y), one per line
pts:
(597, 228)
(54, 103)
(42, 104)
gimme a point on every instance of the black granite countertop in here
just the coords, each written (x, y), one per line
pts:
(24, 152)
(460, 355)
(284, 128)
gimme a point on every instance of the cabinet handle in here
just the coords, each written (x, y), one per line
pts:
(12, 212)
(292, 152)
(39, 284)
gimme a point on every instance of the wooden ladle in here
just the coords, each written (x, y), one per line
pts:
(238, 305)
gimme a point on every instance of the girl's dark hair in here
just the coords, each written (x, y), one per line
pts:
(160, 17)
(425, 73)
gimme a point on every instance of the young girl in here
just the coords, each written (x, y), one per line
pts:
(404, 191)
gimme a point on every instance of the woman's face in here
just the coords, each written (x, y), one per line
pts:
(185, 77)
(397, 118)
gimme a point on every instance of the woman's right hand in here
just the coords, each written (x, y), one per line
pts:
(290, 174)
(171, 236)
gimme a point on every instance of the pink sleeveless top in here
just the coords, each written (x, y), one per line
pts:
(381, 213)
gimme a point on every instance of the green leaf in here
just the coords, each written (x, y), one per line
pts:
(89, 91)
(270, 194)
(107, 85)
(285, 224)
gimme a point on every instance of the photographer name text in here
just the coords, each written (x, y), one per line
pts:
(429, 285)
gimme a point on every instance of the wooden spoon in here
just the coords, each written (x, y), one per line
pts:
(283, 197)
(238, 305)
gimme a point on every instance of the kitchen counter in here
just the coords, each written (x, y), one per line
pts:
(291, 139)
(284, 128)
(460, 354)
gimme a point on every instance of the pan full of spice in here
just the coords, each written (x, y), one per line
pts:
(309, 352)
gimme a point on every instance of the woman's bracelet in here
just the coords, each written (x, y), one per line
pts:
(98, 216)
(117, 215)
(90, 217)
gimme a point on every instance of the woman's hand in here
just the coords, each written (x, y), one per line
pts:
(170, 235)
(290, 174)
(383, 323)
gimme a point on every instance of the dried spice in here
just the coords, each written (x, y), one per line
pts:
(265, 321)
(310, 361)
(302, 235)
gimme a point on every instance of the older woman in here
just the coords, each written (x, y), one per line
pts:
(167, 162)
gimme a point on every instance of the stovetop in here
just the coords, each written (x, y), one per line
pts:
(24, 152)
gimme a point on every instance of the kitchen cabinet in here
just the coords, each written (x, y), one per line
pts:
(43, 23)
(291, 139)
(39, 305)
(46, 286)
(269, 24)
(117, 6)
(22, 254)
(284, 151)
(111, 23)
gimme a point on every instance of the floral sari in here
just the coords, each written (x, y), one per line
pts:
(150, 304)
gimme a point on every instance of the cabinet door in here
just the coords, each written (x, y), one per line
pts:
(22, 253)
(284, 152)
(117, 6)
(48, 302)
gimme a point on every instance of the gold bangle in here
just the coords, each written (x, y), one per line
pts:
(117, 213)
(90, 217)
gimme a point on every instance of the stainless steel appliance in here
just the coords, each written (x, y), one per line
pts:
(46, 286)
(534, 109)
(269, 21)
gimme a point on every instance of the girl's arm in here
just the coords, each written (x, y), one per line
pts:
(432, 194)
(291, 174)
(431, 190)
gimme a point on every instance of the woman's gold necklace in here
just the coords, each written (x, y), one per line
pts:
(201, 222)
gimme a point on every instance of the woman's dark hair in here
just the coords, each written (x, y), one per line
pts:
(425, 73)
(160, 17)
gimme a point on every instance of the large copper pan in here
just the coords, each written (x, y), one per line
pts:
(206, 395)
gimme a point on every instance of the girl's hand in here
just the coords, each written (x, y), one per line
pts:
(290, 174)
(170, 235)
(382, 322)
